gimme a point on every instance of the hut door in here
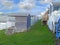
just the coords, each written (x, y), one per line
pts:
(21, 24)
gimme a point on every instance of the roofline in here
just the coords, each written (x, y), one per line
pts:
(56, 3)
(16, 14)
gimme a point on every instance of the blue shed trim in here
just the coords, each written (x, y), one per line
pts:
(28, 21)
(59, 20)
(57, 26)
(57, 30)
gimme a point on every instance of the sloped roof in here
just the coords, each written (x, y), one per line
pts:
(15, 14)
(56, 3)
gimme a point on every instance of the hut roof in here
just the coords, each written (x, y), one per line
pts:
(15, 14)
(56, 3)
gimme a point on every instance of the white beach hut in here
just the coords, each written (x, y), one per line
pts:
(20, 22)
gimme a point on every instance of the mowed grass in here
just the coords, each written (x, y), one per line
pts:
(37, 35)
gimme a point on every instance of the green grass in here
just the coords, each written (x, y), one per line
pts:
(38, 35)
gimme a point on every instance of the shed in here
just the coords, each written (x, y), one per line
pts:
(20, 21)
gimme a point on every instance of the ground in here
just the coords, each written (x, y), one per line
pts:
(37, 35)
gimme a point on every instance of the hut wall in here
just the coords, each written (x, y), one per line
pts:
(20, 23)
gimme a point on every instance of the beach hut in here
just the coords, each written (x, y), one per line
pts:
(55, 14)
(20, 22)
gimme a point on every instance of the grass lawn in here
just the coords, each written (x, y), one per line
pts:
(38, 35)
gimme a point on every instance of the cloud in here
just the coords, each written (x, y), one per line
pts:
(45, 1)
(1, 12)
(10, 6)
(30, 1)
(6, 5)
(27, 4)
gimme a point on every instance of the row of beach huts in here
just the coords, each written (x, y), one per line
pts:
(20, 22)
